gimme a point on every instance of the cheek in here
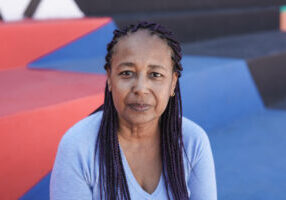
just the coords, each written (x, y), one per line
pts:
(119, 94)
(162, 95)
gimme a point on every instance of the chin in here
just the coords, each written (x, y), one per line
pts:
(138, 118)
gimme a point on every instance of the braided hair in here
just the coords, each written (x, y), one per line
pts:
(112, 178)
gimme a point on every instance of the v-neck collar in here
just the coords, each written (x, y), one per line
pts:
(134, 182)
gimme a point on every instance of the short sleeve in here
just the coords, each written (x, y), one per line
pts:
(68, 179)
(202, 180)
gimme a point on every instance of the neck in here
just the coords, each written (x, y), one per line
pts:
(139, 132)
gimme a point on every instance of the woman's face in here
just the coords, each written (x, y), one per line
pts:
(141, 78)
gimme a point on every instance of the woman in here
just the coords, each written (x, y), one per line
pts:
(137, 145)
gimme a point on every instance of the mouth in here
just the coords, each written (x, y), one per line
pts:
(139, 107)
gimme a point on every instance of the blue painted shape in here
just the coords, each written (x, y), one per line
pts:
(86, 54)
(217, 90)
(249, 157)
(39, 191)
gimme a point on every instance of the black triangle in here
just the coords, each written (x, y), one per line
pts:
(31, 8)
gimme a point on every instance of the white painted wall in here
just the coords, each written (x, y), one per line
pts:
(12, 10)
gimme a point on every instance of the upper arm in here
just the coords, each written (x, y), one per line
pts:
(202, 180)
(68, 179)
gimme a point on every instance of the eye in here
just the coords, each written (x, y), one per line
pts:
(156, 75)
(126, 74)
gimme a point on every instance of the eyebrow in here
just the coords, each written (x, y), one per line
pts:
(126, 64)
(158, 67)
(130, 64)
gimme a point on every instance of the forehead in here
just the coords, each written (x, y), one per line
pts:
(142, 44)
(142, 37)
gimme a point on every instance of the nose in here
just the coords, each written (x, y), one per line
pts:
(140, 86)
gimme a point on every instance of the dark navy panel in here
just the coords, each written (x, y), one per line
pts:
(193, 26)
(103, 7)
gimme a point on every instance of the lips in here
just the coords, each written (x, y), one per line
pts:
(138, 107)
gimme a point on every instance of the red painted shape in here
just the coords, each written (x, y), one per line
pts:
(24, 41)
(24, 89)
(36, 109)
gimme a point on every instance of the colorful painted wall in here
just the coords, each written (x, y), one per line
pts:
(51, 76)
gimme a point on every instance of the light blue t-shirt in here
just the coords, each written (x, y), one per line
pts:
(75, 172)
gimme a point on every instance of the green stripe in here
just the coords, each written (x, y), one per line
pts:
(283, 9)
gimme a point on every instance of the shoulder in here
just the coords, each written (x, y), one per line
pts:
(193, 134)
(84, 129)
(195, 139)
(199, 165)
(82, 134)
(75, 154)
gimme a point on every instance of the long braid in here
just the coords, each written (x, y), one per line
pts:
(112, 178)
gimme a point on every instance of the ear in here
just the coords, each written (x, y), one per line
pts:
(174, 82)
(109, 79)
